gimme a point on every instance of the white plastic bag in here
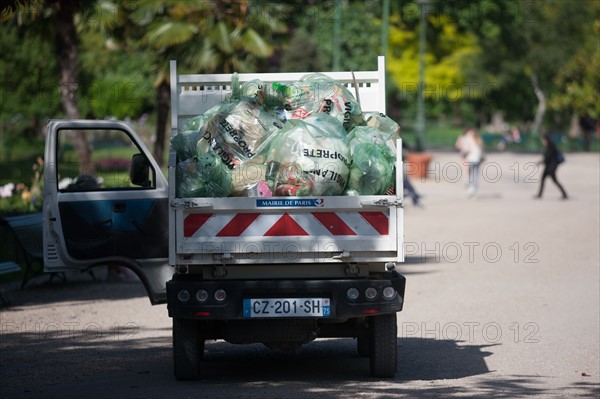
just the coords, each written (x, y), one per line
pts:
(311, 155)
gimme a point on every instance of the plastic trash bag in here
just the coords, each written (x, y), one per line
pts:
(248, 180)
(372, 170)
(373, 162)
(288, 179)
(291, 100)
(248, 91)
(185, 141)
(369, 134)
(313, 93)
(335, 99)
(237, 131)
(309, 157)
(388, 128)
(256, 91)
(206, 176)
(258, 189)
(383, 123)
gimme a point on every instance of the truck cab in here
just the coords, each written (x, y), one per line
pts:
(113, 210)
(281, 271)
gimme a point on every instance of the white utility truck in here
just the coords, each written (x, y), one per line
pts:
(277, 270)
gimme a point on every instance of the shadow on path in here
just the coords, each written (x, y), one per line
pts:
(138, 363)
(55, 293)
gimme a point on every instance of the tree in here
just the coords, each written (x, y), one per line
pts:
(510, 49)
(524, 43)
(220, 36)
(311, 46)
(61, 16)
(452, 73)
(553, 39)
(577, 82)
(113, 83)
(28, 82)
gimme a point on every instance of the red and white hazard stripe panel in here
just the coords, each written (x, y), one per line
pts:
(277, 225)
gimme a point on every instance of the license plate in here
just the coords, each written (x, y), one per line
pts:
(287, 307)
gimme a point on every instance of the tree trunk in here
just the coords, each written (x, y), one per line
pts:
(541, 108)
(457, 119)
(65, 45)
(163, 100)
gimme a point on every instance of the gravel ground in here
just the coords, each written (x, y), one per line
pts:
(502, 301)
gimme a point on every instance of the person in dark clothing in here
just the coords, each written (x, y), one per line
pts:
(411, 191)
(587, 125)
(551, 162)
(407, 185)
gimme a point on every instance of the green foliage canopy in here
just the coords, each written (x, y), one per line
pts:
(28, 85)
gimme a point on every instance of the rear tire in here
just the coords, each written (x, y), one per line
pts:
(188, 348)
(383, 345)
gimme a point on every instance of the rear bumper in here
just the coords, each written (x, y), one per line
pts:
(237, 290)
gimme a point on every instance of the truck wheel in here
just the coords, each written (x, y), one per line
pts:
(188, 348)
(383, 348)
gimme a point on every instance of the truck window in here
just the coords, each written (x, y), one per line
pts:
(110, 165)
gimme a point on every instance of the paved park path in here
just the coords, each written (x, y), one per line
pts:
(502, 301)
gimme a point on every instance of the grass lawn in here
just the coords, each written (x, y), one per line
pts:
(444, 137)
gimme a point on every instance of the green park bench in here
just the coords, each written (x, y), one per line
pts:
(27, 244)
(7, 267)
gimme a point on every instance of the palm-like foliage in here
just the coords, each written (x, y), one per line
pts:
(59, 18)
(220, 36)
(206, 37)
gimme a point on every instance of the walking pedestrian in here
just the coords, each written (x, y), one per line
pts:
(407, 185)
(470, 146)
(552, 158)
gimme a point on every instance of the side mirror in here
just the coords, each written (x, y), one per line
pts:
(139, 174)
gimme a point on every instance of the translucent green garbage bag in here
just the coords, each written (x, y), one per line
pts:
(372, 170)
(309, 157)
(373, 162)
(248, 180)
(313, 93)
(288, 100)
(335, 99)
(247, 91)
(238, 131)
(386, 125)
(389, 130)
(205, 176)
(185, 141)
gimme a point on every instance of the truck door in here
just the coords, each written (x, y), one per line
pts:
(108, 209)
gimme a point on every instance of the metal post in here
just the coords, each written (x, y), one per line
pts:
(385, 27)
(420, 99)
(337, 32)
